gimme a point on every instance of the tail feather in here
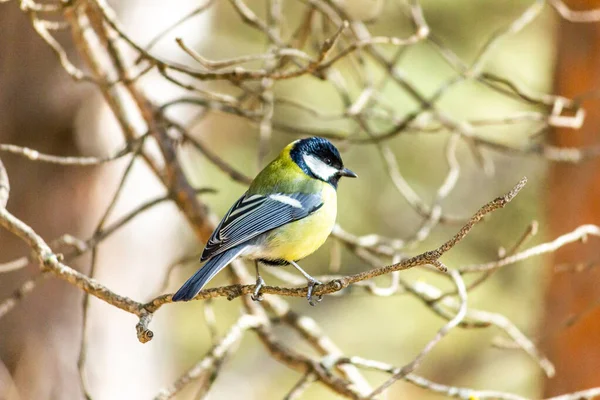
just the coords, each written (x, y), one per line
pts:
(192, 286)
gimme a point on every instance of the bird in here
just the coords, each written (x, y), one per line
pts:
(286, 214)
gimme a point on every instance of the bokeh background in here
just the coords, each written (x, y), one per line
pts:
(42, 108)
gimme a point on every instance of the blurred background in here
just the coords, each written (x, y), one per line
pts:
(552, 299)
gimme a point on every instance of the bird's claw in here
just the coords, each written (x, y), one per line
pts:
(311, 287)
(257, 295)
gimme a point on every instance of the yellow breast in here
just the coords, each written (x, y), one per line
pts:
(301, 238)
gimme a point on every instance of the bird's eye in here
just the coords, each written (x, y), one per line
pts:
(328, 161)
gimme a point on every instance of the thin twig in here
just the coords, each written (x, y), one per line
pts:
(4, 186)
(35, 155)
(579, 234)
(197, 11)
(575, 16)
(414, 364)
(214, 355)
(300, 386)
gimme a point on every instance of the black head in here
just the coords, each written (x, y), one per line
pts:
(319, 159)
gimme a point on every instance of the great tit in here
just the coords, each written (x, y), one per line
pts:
(287, 213)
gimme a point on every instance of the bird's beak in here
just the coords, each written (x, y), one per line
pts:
(348, 173)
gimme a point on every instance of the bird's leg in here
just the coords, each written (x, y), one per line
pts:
(260, 282)
(312, 282)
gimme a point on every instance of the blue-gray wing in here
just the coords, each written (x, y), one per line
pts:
(255, 214)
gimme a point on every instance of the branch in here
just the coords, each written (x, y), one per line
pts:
(346, 56)
(50, 262)
(454, 322)
(35, 155)
(4, 186)
(575, 16)
(213, 358)
(579, 234)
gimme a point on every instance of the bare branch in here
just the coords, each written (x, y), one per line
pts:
(27, 287)
(575, 16)
(331, 45)
(579, 234)
(300, 386)
(4, 186)
(410, 367)
(197, 11)
(35, 155)
(214, 356)
(49, 262)
(525, 19)
(451, 391)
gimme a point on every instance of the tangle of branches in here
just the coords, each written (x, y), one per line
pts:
(325, 35)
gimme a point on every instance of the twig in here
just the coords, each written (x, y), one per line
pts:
(276, 54)
(210, 319)
(197, 11)
(531, 231)
(460, 315)
(300, 386)
(431, 296)
(450, 391)
(214, 355)
(517, 25)
(308, 329)
(27, 287)
(60, 52)
(575, 16)
(518, 337)
(35, 155)
(4, 186)
(14, 265)
(581, 395)
(49, 262)
(443, 191)
(173, 266)
(579, 234)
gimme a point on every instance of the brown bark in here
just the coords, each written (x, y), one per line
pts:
(574, 199)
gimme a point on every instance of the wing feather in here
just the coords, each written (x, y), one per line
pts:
(255, 214)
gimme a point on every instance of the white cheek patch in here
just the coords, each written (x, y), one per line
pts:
(282, 198)
(319, 168)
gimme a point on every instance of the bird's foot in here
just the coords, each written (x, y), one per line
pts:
(311, 287)
(257, 295)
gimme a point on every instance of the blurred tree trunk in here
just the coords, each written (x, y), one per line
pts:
(37, 106)
(574, 199)
(42, 108)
